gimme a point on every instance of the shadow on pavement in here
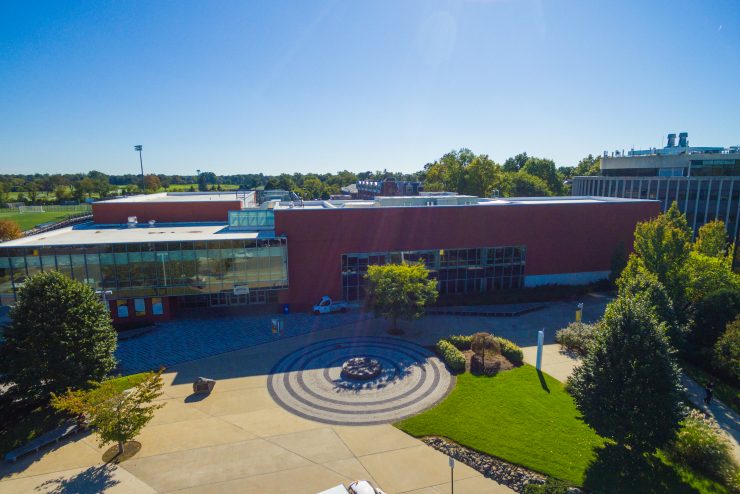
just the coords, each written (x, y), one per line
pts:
(91, 480)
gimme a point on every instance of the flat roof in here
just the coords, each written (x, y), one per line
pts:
(180, 197)
(502, 201)
(91, 234)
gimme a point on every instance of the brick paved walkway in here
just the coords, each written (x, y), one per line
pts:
(187, 339)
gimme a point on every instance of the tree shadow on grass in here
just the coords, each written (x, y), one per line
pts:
(618, 470)
(89, 481)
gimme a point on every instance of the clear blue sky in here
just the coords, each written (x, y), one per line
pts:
(247, 86)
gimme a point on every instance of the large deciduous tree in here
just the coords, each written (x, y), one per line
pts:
(400, 291)
(711, 239)
(59, 336)
(116, 416)
(628, 386)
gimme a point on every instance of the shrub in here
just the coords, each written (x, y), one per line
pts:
(510, 350)
(462, 342)
(726, 355)
(482, 343)
(551, 486)
(453, 357)
(701, 445)
(577, 336)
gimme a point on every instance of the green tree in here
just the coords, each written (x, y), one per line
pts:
(544, 169)
(618, 262)
(523, 184)
(482, 177)
(662, 246)
(202, 182)
(515, 163)
(712, 239)
(59, 336)
(313, 188)
(707, 274)
(588, 166)
(448, 173)
(400, 291)
(117, 416)
(645, 286)
(628, 386)
(726, 354)
(711, 315)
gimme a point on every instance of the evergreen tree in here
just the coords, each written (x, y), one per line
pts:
(628, 387)
(59, 336)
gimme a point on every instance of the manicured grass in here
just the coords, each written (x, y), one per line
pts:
(512, 416)
(27, 424)
(28, 220)
(724, 391)
(532, 421)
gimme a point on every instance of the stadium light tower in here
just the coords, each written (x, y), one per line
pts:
(138, 148)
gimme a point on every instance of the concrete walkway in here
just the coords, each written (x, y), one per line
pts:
(239, 439)
(560, 365)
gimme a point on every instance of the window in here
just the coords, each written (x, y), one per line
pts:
(457, 270)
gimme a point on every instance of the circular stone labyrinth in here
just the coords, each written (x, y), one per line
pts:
(309, 382)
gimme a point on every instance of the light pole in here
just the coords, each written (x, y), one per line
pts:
(164, 270)
(103, 293)
(138, 148)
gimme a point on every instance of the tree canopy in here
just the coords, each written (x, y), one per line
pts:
(400, 291)
(66, 345)
(116, 416)
(628, 386)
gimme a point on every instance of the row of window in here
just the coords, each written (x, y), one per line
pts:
(456, 270)
(134, 270)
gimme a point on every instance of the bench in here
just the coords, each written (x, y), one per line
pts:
(50, 437)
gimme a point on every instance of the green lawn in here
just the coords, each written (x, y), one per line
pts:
(519, 418)
(28, 220)
(513, 417)
(15, 433)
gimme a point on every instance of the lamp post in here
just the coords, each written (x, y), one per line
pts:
(138, 148)
(103, 293)
(162, 255)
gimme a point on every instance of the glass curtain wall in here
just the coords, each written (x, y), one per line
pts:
(456, 270)
(156, 268)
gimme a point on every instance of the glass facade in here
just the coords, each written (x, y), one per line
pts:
(156, 269)
(456, 270)
(252, 219)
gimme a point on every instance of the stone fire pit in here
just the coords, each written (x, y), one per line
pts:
(361, 368)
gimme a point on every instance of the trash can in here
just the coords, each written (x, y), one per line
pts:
(286, 308)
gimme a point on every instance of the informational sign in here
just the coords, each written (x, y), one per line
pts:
(122, 308)
(241, 290)
(157, 308)
(139, 307)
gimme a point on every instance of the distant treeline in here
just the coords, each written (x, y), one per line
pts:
(459, 171)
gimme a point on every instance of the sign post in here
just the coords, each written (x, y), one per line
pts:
(579, 312)
(452, 475)
(540, 342)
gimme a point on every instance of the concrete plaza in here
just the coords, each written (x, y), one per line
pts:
(239, 439)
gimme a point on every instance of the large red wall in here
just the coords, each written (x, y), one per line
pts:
(560, 238)
(170, 212)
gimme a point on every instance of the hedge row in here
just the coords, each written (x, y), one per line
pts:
(510, 350)
(453, 357)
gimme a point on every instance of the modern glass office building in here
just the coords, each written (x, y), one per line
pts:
(703, 181)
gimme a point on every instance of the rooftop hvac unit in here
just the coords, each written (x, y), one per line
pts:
(132, 221)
